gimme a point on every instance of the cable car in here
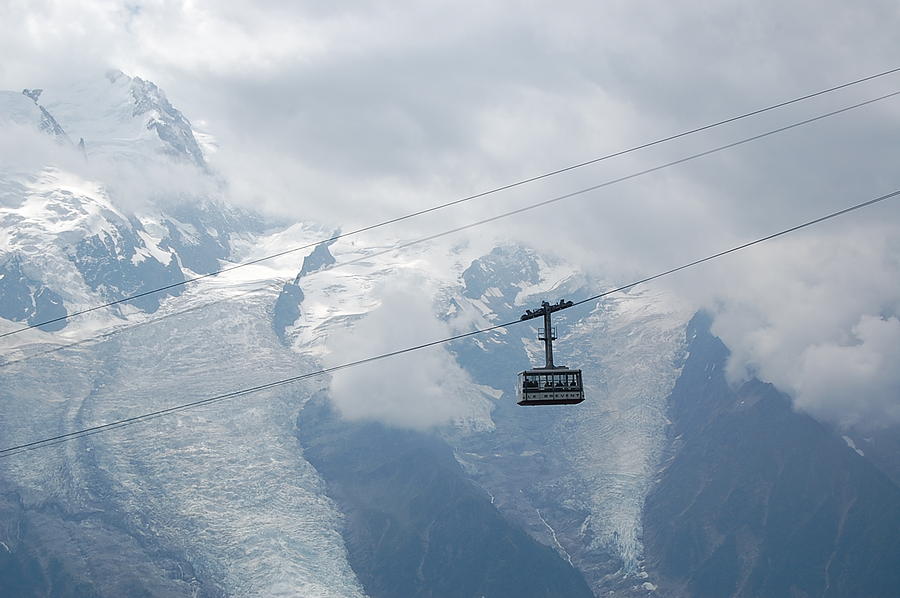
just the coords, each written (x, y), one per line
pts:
(551, 384)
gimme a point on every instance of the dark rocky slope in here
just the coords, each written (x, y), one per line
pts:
(759, 500)
(416, 526)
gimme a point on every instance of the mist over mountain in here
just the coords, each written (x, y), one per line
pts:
(414, 476)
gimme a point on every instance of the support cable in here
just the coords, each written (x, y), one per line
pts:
(97, 429)
(456, 201)
(521, 210)
(272, 285)
(608, 183)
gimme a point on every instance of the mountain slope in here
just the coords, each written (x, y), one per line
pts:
(759, 500)
(67, 241)
(665, 481)
(148, 511)
(416, 526)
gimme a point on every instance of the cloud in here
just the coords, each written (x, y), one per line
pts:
(25, 149)
(355, 112)
(134, 186)
(139, 187)
(856, 383)
(817, 316)
(420, 390)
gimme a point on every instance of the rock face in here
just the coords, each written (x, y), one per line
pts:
(287, 309)
(512, 265)
(170, 124)
(287, 306)
(758, 500)
(34, 94)
(319, 258)
(111, 265)
(47, 123)
(24, 109)
(23, 299)
(201, 234)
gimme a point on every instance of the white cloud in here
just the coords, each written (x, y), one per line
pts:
(856, 383)
(420, 390)
(817, 316)
(133, 185)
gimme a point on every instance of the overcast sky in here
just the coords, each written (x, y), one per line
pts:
(353, 112)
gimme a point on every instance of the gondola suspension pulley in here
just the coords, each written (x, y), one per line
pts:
(551, 384)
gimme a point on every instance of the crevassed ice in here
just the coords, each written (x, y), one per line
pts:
(599, 459)
(632, 343)
(225, 485)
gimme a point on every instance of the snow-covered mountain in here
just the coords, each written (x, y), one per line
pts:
(191, 520)
(24, 109)
(68, 242)
(321, 488)
(123, 118)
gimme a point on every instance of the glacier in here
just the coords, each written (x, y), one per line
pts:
(219, 506)
(588, 469)
(605, 454)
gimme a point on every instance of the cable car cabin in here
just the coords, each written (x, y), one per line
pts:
(550, 386)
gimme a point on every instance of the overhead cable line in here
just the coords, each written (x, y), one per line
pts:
(120, 329)
(563, 197)
(89, 431)
(457, 201)
(608, 183)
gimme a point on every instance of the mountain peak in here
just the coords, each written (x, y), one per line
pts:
(169, 123)
(120, 116)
